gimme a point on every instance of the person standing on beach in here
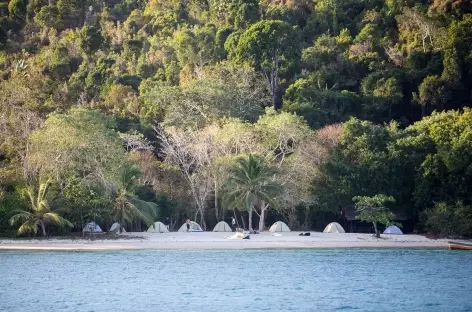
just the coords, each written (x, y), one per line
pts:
(187, 222)
(233, 224)
(166, 223)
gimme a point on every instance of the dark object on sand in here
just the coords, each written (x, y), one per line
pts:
(304, 234)
(247, 237)
(460, 245)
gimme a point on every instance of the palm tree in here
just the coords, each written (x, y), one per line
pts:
(251, 183)
(128, 207)
(41, 213)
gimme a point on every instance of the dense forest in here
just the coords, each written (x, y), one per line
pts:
(136, 110)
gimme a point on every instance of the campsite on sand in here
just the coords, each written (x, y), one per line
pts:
(217, 240)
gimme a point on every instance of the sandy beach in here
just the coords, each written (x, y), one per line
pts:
(217, 241)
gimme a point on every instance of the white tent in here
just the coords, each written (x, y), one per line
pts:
(116, 227)
(279, 226)
(194, 227)
(92, 227)
(158, 227)
(222, 227)
(334, 227)
(393, 230)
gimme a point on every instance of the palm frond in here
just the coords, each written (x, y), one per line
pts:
(30, 226)
(54, 218)
(20, 216)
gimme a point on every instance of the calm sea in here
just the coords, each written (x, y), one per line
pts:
(278, 280)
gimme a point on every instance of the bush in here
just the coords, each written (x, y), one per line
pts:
(449, 220)
(8, 203)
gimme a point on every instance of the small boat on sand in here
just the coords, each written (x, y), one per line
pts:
(460, 245)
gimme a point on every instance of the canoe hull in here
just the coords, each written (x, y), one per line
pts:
(459, 246)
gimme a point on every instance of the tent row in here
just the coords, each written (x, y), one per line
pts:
(279, 226)
(92, 227)
(222, 226)
(335, 227)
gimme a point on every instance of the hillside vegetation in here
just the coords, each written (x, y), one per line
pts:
(338, 98)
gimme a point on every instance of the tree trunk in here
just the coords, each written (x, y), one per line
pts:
(43, 227)
(262, 216)
(121, 222)
(261, 220)
(235, 218)
(377, 234)
(216, 201)
(250, 220)
(242, 220)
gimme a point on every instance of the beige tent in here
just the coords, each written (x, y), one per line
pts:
(194, 227)
(222, 227)
(334, 227)
(158, 227)
(279, 226)
(115, 228)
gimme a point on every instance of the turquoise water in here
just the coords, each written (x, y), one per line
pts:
(279, 280)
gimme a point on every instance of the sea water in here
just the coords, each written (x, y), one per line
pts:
(256, 280)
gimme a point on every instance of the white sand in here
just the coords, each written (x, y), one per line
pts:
(210, 240)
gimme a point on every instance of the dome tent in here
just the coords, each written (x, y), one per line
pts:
(116, 228)
(393, 230)
(279, 226)
(158, 227)
(222, 227)
(194, 227)
(92, 227)
(334, 227)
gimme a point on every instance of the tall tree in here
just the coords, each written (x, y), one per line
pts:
(273, 48)
(374, 209)
(128, 207)
(251, 183)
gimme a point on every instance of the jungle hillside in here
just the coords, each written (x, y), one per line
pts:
(132, 111)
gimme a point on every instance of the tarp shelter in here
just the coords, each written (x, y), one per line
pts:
(158, 227)
(393, 230)
(334, 227)
(279, 226)
(116, 228)
(194, 227)
(92, 227)
(222, 227)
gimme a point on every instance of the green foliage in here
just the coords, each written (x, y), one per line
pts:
(8, 202)
(374, 210)
(450, 220)
(81, 143)
(90, 39)
(17, 9)
(269, 44)
(128, 207)
(434, 91)
(250, 183)
(48, 16)
(41, 213)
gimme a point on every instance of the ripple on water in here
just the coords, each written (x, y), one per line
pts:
(282, 280)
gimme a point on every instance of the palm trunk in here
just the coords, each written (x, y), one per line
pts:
(250, 220)
(261, 220)
(242, 219)
(262, 216)
(43, 227)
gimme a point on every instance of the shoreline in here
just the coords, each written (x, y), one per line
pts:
(217, 241)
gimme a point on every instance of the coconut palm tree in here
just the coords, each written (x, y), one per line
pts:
(128, 207)
(41, 213)
(250, 183)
